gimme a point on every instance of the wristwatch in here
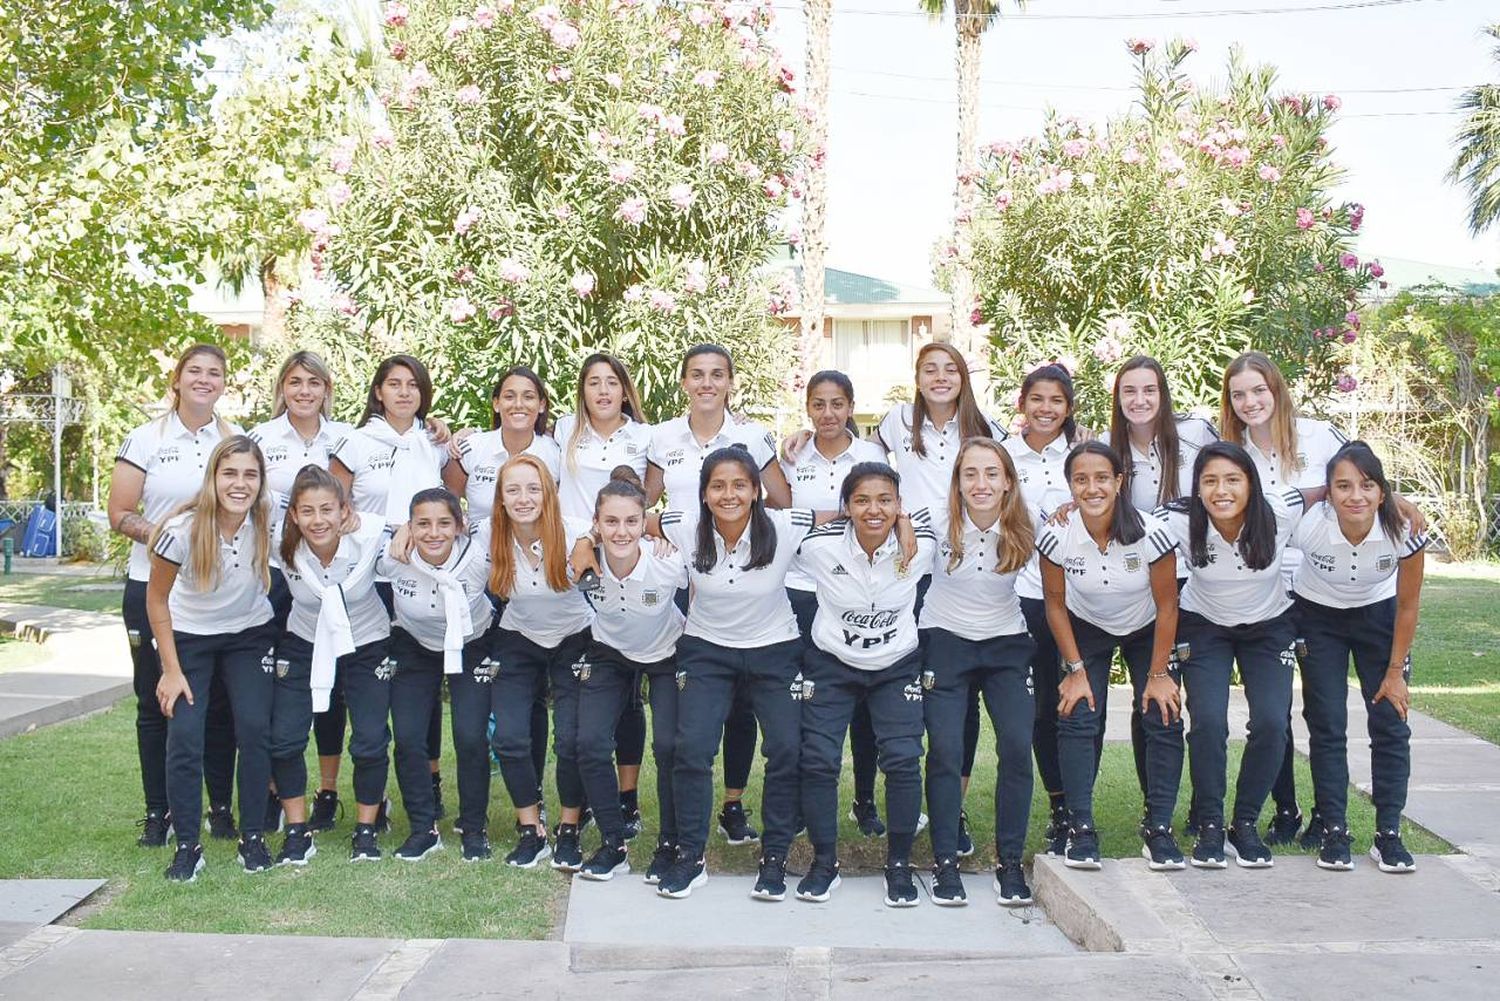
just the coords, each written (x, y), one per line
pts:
(1072, 666)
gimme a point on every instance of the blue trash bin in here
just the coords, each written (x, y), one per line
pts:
(40, 537)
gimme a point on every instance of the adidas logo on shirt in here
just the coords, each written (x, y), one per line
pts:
(839, 571)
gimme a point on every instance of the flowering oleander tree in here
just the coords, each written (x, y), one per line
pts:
(1192, 228)
(550, 179)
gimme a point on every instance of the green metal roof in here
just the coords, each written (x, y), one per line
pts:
(1401, 273)
(845, 288)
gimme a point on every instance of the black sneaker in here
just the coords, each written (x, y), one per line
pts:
(156, 828)
(900, 888)
(633, 824)
(297, 847)
(1208, 850)
(770, 883)
(418, 845)
(530, 849)
(567, 853)
(821, 880)
(1312, 835)
(610, 860)
(948, 884)
(221, 823)
(661, 861)
(273, 814)
(187, 863)
(734, 824)
(1010, 884)
(254, 855)
(476, 846)
(1057, 831)
(1334, 852)
(682, 877)
(1390, 854)
(867, 816)
(965, 843)
(1083, 848)
(1249, 851)
(438, 813)
(326, 810)
(1283, 828)
(363, 846)
(1160, 850)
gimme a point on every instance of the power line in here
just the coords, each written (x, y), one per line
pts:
(1141, 16)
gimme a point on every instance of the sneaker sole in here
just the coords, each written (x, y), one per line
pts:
(1336, 866)
(541, 857)
(767, 896)
(965, 853)
(417, 858)
(1083, 863)
(950, 901)
(892, 902)
(1174, 865)
(1212, 863)
(682, 894)
(251, 872)
(312, 850)
(622, 869)
(571, 867)
(486, 857)
(1387, 867)
(1245, 863)
(749, 840)
(822, 898)
(1005, 901)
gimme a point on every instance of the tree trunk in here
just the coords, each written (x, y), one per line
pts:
(970, 30)
(273, 309)
(819, 14)
(4, 462)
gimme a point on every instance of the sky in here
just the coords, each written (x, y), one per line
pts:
(1398, 65)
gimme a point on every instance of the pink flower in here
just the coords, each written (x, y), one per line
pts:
(1268, 173)
(464, 275)
(663, 301)
(1108, 350)
(1003, 199)
(1075, 148)
(1189, 44)
(1376, 271)
(1169, 161)
(583, 284)
(1294, 103)
(313, 220)
(786, 139)
(468, 94)
(1497, 392)
(500, 312)
(484, 18)
(465, 219)
(339, 194)
(976, 316)
(396, 14)
(700, 17)
(1236, 156)
(1279, 141)
(1331, 102)
(1305, 218)
(748, 170)
(1230, 207)
(546, 16)
(456, 27)
(1347, 383)
(558, 74)
(562, 213)
(1348, 261)
(718, 153)
(673, 34)
(632, 211)
(622, 171)
(1139, 46)
(1350, 336)
(461, 310)
(1223, 246)
(682, 196)
(695, 281)
(1356, 216)
(634, 293)
(1319, 267)
(398, 51)
(773, 187)
(382, 137)
(341, 155)
(1248, 297)
(706, 78)
(614, 80)
(1130, 155)
(564, 35)
(512, 270)
(674, 125)
(343, 303)
(419, 78)
(649, 112)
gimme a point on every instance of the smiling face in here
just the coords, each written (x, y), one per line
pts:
(982, 482)
(517, 404)
(318, 514)
(521, 493)
(1354, 497)
(304, 392)
(708, 383)
(1045, 407)
(237, 483)
(1140, 397)
(201, 381)
(939, 379)
(829, 408)
(603, 393)
(1224, 489)
(620, 522)
(1251, 398)
(730, 492)
(873, 506)
(1094, 484)
(399, 394)
(434, 529)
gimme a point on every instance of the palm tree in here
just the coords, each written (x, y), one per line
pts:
(819, 14)
(971, 19)
(1477, 165)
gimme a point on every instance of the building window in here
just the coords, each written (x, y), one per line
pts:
(876, 355)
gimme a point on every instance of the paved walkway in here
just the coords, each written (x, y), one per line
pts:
(87, 667)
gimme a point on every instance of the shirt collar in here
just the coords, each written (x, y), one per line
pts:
(819, 457)
(176, 429)
(887, 549)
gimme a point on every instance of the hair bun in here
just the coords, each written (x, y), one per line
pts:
(625, 474)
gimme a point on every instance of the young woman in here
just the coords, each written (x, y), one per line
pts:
(973, 634)
(740, 631)
(1156, 446)
(1038, 454)
(1357, 594)
(634, 633)
(160, 466)
(438, 574)
(336, 637)
(543, 634)
(1234, 611)
(521, 413)
(863, 650)
(206, 600)
(675, 459)
(816, 474)
(1110, 582)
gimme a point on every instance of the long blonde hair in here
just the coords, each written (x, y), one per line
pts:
(1017, 533)
(971, 420)
(630, 406)
(312, 363)
(549, 530)
(1283, 418)
(213, 351)
(203, 539)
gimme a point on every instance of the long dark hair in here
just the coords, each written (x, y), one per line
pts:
(762, 532)
(1168, 446)
(845, 386)
(1364, 459)
(1054, 373)
(542, 415)
(373, 406)
(1125, 525)
(309, 477)
(1257, 542)
(862, 471)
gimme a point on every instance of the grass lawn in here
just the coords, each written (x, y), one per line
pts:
(1456, 657)
(93, 594)
(87, 832)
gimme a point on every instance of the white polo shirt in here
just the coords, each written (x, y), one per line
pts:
(677, 452)
(482, 454)
(173, 459)
(371, 461)
(286, 451)
(635, 615)
(1146, 467)
(418, 603)
(1044, 488)
(583, 473)
(971, 600)
(816, 481)
(1339, 574)
(1226, 591)
(925, 478)
(368, 619)
(734, 607)
(239, 602)
(1111, 589)
(1317, 441)
(544, 616)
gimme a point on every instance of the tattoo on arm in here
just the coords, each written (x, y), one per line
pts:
(136, 527)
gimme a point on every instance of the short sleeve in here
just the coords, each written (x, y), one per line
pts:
(139, 448)
(1000, 431)
(1049, 544)
(1196, 431)
(1176, 522)
(676, 530)
(174, 542)
(889, 429)
(1159, 541)
(351, 452)
(550, 452)
(796, 522)
(655, 448)
(1414, 542)
(1288, 506)
(761, 444)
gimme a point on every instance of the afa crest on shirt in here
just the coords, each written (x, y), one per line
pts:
(681, 678)
(283, 667)
(650, 597)
(1385, 563)
(1132, 562)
